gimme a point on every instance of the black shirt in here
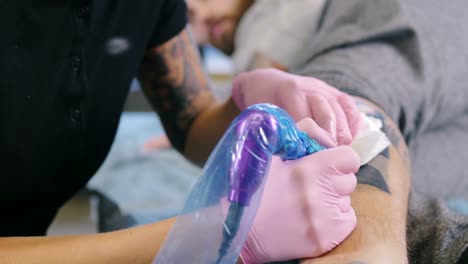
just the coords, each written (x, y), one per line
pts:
(65, 70)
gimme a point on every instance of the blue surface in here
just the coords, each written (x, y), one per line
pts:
(459, 205)
(145, 187)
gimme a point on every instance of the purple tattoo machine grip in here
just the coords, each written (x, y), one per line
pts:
(222, 205)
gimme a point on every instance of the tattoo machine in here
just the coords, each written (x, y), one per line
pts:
(221, 207)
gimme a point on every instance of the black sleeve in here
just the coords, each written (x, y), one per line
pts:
(173, 19)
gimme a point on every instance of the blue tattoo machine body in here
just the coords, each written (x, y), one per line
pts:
(221, 207)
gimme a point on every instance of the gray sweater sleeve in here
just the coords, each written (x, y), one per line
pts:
(409, 57)
(435, 233)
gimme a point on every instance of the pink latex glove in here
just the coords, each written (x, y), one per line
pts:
(301, 97)
(305, 209)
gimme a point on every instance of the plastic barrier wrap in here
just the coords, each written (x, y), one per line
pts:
(221, 207)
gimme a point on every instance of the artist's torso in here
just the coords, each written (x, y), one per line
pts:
(65, 70)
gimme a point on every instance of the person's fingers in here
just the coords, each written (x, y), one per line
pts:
(261, 77)
(344, 203)
(258, 86)
(246, 82)
(343, 159)
(315, 132)
(322, 113)
(352, 113)
(343, 184)
(293, 101)
(346, 224)
(338, 226)
(343, 133)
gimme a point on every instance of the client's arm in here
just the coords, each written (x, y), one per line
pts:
(380, 202)
(133, 245)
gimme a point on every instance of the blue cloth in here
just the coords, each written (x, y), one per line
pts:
(459, 205)
(140, 187)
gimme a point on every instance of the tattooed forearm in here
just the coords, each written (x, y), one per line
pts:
(172, 78)
(374, 176)
(376, 172)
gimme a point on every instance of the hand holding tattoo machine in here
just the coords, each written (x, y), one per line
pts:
(221, 207)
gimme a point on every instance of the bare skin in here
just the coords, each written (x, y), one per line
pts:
(216, 21)
(177, 87)
(134, 245)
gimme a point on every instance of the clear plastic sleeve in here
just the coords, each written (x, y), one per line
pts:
(222, 205)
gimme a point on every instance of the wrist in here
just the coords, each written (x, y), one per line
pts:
(207, 129)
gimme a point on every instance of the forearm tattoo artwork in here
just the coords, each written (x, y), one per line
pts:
(174, 82)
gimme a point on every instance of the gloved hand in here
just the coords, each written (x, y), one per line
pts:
(302, 97)
(305, 209)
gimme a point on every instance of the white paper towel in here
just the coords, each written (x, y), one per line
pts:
(370, 140)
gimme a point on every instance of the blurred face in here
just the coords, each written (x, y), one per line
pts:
(215, 21)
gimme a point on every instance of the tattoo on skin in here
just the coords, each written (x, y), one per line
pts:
(375, 173)
(175, 84)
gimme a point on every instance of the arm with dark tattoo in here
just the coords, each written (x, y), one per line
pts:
(376, 172)
(380, 202)
(175, 84)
